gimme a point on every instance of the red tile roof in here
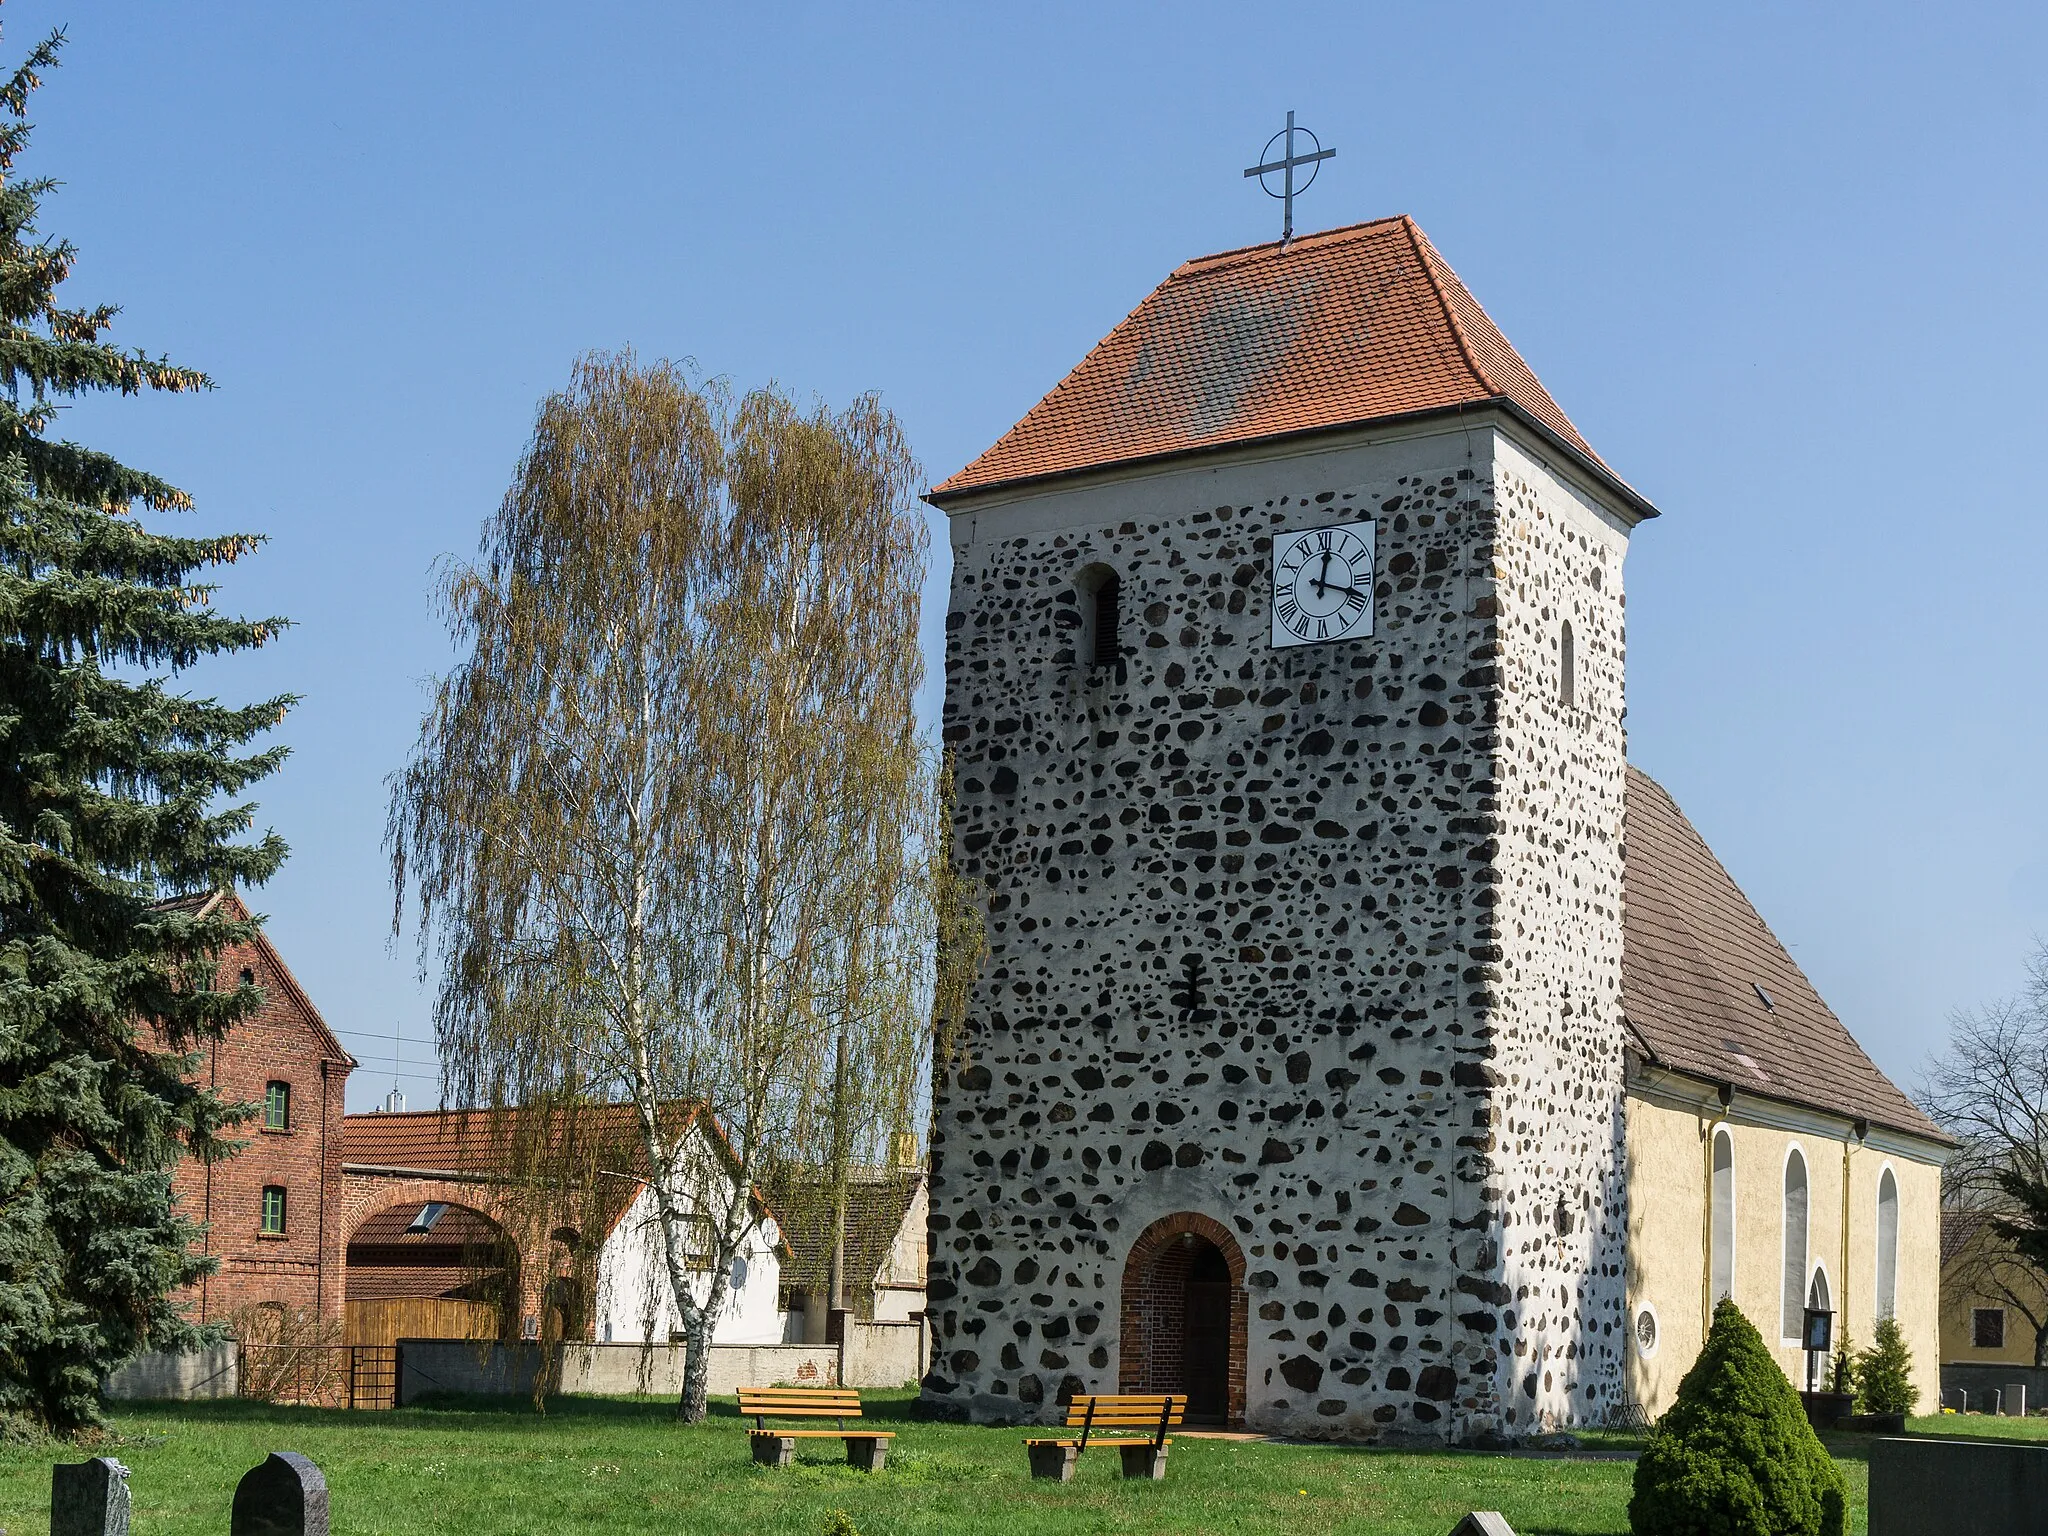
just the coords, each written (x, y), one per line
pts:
(1695, 952)
(1332, 330)
(477, 1141)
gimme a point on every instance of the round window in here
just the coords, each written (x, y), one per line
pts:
(1646, 1332)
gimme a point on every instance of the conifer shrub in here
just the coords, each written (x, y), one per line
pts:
(1884, 1372)
(1735, 1456)
(1842, 1375)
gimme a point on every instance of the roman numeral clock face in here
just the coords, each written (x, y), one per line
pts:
(1322, 584)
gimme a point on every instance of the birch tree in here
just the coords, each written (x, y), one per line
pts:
(651, 810)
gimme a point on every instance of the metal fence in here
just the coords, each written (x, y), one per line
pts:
(321, 1375)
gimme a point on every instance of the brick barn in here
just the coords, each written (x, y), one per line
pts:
(272, 1212)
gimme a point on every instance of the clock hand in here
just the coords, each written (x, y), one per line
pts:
(1321, 579)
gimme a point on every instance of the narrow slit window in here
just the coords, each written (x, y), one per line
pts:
(277, 1107)
(1567, 668)
(1723, 1277)
(1887, 1243)
(1793, 1309)
(273, 1210)
(1108, 614)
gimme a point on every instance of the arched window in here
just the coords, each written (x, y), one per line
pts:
(1887, 1243)
(1100, 642)
(1567, 668)
(1794, 1300)
(1722, 1272)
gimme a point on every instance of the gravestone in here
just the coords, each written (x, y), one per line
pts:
(1483, 1522)
(1982, 1487)
(89, 1498)
(2016, 1399)
(286, 1496)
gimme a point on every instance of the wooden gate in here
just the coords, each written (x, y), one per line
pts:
(372, 1375)
(386, 1320)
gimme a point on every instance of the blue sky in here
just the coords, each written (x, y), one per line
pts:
(1781, 265)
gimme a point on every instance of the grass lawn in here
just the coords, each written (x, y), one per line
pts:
(625, 1465)
(1979, 1426)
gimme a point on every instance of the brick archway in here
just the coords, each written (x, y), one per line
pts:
(368, 1195)
(1154, 1298)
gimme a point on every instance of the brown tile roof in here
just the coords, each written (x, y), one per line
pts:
(1695, 953)
(1336, 329)
(877, 1200)
(1959, 1229)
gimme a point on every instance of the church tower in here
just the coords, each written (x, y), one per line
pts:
(1284, 683)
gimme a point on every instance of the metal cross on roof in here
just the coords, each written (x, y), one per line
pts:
(1285, 166)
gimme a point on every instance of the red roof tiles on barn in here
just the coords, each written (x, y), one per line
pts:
(478, 1142)
(1334, 330)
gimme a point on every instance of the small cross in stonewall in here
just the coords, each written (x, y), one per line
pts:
(1285, 166)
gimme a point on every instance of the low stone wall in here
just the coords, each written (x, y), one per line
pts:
(160, 1377)
(453, 1365)
(873, 1355)
(1984, 1487)
(883, 1354)
(1978, 1382)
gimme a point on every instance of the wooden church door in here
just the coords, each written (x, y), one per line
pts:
(1206, 1337)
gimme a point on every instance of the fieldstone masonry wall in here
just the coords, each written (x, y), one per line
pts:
(1557, 1128)
(1321, 944)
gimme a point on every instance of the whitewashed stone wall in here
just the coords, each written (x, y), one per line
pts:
(1558, 1118)
(1321, 943)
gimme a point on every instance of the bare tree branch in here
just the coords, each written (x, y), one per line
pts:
(1990, 1091)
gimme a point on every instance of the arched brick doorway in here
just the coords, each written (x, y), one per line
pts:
(427, 1268)
(1185, 1315)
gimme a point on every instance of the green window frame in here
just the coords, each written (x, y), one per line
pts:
(277, 1107)
(273, 1210)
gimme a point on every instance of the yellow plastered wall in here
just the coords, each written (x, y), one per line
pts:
(1668, 1150)
(1959, 1298)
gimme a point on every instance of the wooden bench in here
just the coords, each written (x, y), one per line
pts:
(1150, 1414)
(865, 1448)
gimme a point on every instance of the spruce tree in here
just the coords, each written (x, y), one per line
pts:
(1884, 1372)
(117, 792)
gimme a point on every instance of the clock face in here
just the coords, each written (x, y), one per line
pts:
(1322, 584)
